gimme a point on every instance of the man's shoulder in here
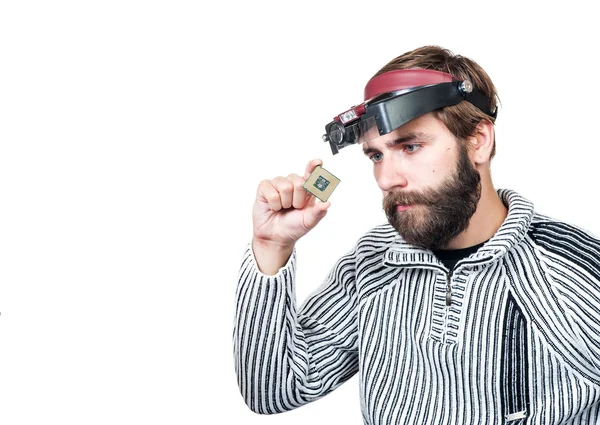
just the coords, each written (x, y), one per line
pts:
(552, 229)
(377, 239)
(566, 242)
(380, 233)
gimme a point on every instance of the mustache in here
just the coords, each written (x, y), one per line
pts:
(408, 198)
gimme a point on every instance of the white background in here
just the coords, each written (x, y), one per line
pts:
(133, 135)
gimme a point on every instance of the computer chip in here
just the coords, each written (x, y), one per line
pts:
(321, 183)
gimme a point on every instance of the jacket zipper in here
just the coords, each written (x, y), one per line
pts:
(449, 289)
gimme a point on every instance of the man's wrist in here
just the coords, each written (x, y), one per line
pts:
(271, 256)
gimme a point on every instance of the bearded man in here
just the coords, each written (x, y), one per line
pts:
(466, 307)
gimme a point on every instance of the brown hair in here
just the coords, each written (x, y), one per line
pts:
(460, 119)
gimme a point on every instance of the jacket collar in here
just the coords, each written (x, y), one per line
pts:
(512, 231)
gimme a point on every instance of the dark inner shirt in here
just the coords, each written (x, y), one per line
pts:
(452, 256)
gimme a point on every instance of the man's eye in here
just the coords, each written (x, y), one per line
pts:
(411, 148)
(376, 157)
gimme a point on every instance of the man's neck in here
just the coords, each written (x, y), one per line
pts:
(487, 219)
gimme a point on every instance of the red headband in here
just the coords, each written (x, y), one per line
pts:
(404, 79)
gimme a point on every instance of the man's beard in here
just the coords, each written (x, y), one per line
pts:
(437, 215)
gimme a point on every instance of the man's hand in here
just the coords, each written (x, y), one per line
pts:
(283, 212)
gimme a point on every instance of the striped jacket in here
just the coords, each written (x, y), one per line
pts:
(519, 344)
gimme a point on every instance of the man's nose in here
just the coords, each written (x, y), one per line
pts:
(390, 175)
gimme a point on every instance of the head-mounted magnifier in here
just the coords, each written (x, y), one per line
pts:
(396, 97)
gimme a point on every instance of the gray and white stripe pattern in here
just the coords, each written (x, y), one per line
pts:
(520, 343)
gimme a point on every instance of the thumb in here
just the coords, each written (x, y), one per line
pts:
(315, 214)
(310, 167)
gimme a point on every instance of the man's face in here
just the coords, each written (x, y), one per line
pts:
(430, 187)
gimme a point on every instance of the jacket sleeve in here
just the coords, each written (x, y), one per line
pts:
(572, 262)
(286, 357)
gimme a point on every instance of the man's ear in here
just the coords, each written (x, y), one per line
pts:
(481, 143)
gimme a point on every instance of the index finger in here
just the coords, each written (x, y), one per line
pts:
(311, 166)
